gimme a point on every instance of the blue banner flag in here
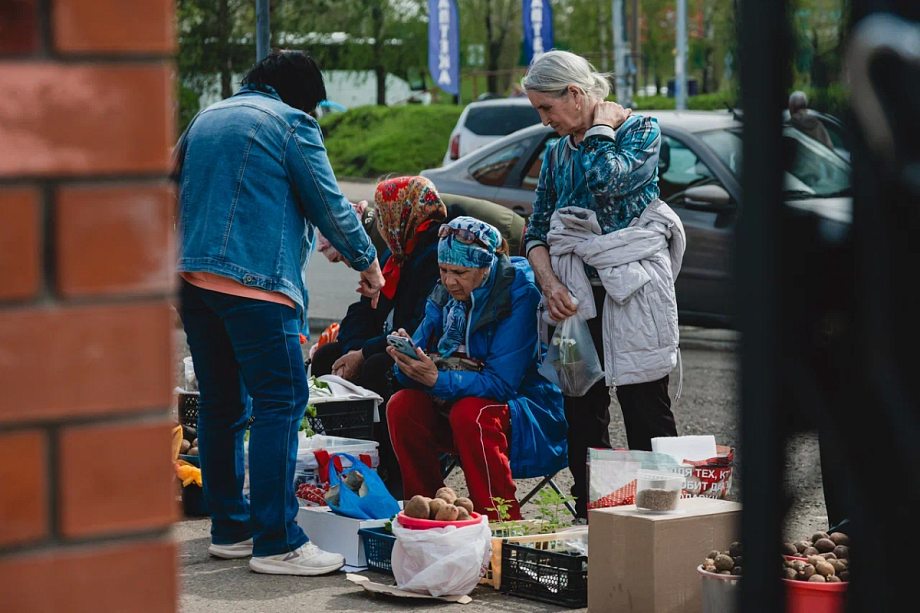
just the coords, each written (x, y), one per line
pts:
(444, 44)
(538, 28)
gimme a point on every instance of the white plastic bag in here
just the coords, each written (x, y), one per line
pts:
(441, 561)
(571, 362)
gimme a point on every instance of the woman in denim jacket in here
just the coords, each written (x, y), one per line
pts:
(254, 181)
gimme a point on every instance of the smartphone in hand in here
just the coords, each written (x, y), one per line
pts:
(403, 345)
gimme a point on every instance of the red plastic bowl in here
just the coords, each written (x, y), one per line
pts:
(413, 523)
(808, 597)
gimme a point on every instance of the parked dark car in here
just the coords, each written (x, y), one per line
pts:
(699, 176)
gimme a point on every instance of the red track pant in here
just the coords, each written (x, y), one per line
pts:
(478, 430)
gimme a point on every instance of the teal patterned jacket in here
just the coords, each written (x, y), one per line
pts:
(613, 173)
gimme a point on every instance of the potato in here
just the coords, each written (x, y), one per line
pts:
(725, 572)
(435, 506)
(735, 550)
(840, 538)
(825, 569)
(448, 513)
(417, 508)
(813, 560)
(449, 496)
(710, 569)
(844, 575)
(801, 546)
(709, 562)
(833, 579)
(724, 562)
(839, 566)
(798, 565)
(817, 579)
(790, 574)
(184, 446)
(193, 451)
(829, 555)
(817, 536)
(466, 503)
(736, 571)
(462, 514)
(790, 550)
(712, 555)
(195, 443)
(811, 551)
(739, 561)
(824, 545)
(842, 552)
(807, 571)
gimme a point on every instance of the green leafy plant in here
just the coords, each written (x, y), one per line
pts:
(504, 527)
(551, 505)
(305, 425)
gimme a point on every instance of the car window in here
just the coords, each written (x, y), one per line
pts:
(680, 168)
(494, 168)
(811, 168)
(532, 176)
(500, 120)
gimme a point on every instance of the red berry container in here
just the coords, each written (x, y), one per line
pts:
(413, 523)
(808, 597)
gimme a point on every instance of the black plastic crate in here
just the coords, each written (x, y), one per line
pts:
(378, 548)
(347, 418)
(193, 503)
(556, 577)
(188, 409)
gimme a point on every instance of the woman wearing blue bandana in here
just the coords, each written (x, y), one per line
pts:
(474, 390)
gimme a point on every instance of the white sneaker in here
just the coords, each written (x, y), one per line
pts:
(308, 560)
(231, 552)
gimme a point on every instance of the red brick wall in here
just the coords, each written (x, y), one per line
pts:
(86, 255)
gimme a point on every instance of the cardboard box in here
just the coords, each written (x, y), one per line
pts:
(641, 563)
(331, 532)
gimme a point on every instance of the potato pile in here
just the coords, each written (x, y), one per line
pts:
(189, 445)
(445, 506)
(828, 559)
(724, 562)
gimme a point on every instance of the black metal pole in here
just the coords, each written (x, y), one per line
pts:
(758, 276)
(263, 29)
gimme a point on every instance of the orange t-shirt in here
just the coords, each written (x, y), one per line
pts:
(224, 285)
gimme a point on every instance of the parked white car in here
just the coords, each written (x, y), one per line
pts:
(481, 123)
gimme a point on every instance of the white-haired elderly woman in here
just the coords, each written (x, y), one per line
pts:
(606, 165)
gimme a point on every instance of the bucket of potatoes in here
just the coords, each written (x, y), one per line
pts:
(445, 509)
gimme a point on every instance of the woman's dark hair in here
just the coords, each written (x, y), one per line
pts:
(294, 75)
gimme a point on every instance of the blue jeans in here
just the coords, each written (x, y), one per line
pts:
(243, 346)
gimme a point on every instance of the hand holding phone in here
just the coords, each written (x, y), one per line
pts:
(403, 345)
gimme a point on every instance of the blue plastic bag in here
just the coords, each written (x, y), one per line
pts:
(377, 503)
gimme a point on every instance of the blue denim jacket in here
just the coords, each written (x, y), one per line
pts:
(254, 181)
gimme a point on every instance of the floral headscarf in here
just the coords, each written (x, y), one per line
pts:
(406, 207)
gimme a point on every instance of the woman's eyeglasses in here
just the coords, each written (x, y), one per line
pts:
(463, 236)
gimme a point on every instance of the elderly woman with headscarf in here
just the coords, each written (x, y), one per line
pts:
(409, 213)
(474, 389)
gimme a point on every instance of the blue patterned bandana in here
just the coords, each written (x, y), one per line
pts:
(452, 251)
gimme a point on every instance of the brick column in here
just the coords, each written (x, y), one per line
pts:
(87, 125)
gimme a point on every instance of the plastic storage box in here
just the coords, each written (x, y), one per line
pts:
(658, 491)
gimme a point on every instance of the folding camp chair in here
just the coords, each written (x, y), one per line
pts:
(450, 462)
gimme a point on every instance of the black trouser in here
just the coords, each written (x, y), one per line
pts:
(375, 375)
(646, 413)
